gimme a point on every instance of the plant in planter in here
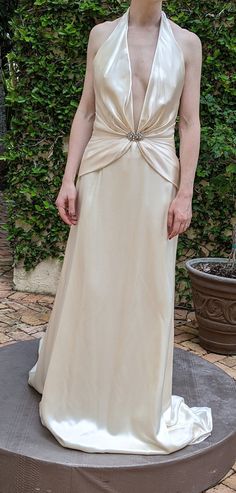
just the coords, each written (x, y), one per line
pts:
(213, 282)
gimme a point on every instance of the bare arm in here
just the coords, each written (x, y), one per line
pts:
(82, 125)
(189, 123)
(180, 211)
(81, 130)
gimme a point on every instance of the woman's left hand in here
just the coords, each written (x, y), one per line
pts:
(179, 215)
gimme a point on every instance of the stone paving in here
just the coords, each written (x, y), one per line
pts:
(24, 316)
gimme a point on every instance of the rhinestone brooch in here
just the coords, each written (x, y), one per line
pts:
(134, 136)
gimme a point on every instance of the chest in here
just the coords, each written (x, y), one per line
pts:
(138, 75)
(141, 49)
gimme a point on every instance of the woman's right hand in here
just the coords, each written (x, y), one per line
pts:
(67, 203)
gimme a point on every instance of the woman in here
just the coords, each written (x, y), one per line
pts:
(105, 362)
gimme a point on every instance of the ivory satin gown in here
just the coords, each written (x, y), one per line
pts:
(105, 362)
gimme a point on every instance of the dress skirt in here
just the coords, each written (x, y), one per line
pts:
(105, 363)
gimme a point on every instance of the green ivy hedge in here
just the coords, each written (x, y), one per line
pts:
(44, 81)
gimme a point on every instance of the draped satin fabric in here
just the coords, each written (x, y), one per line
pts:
(114, 113)
(105, 362)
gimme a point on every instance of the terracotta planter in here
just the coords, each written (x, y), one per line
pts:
(214, 300)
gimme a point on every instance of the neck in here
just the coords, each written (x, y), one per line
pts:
(145, 13)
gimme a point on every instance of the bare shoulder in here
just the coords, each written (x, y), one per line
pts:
(100, 32)
(187, 40)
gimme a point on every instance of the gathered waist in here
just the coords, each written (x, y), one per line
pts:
(154, 134)
(156, 145)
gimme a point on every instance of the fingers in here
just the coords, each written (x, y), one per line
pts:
(178, 228)
(65, 216)
(179, 215)
(71, 208)
(170, 220)
(175, 228)
(67, 208)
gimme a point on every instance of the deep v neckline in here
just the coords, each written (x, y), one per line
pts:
(151, 70)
